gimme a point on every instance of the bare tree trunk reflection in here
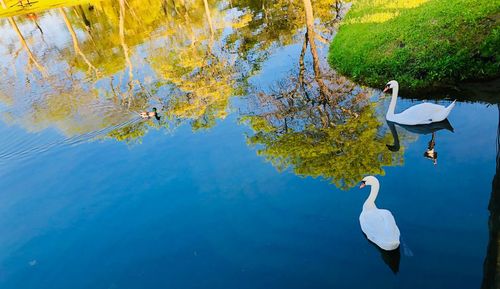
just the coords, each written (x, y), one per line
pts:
(25, 46)
(491, 275)
(122, 39)
(338, 9)
(38, 27)
(132, 12)
(126, 53)
(76, 46)
(209, 18)
(85, 20)
(302, 67)
(175, 8)
(314, 51)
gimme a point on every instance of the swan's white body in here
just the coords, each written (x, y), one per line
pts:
(378, 225)
(423, 113)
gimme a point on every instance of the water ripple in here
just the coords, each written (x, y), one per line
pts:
(20, 148)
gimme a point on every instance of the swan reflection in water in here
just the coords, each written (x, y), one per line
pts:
(432, 128)
(391, 258)
(430, 153)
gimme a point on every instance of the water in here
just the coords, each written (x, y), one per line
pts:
(238, 185)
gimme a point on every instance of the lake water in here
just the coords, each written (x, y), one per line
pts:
(248, 180)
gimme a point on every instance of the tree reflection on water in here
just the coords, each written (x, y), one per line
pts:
(188, 58)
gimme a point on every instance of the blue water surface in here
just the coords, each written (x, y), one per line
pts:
(186, 208)
(202, 210)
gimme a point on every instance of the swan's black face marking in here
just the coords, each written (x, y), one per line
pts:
(387, 87)
(363, 184)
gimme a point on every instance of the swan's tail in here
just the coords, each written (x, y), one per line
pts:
(448, 109)
(451, 106)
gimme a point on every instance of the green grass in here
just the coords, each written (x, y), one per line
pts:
(419, 43)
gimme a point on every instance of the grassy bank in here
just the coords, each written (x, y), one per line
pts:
(420, 43)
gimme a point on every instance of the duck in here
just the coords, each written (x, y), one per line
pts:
(424, 113)
(149, 114)
(378, 225)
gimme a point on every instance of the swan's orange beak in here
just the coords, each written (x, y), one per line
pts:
(386, 89)
(363, 184)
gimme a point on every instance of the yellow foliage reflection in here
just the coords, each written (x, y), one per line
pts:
(85, 66)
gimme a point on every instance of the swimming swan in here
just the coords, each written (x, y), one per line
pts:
(378, 225)
(423, 113)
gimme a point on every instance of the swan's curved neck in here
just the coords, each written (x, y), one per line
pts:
(394, 99)
(370, 201)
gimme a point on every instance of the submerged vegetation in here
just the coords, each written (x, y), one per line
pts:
(421, 43)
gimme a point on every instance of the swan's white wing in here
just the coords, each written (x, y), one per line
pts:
(422, 113)
(380, 228)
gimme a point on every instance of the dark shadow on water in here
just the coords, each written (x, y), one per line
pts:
(491, 267)
(391, 258)
(484, 92)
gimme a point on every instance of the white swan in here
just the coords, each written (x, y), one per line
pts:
(378, 225)
(423, 113)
